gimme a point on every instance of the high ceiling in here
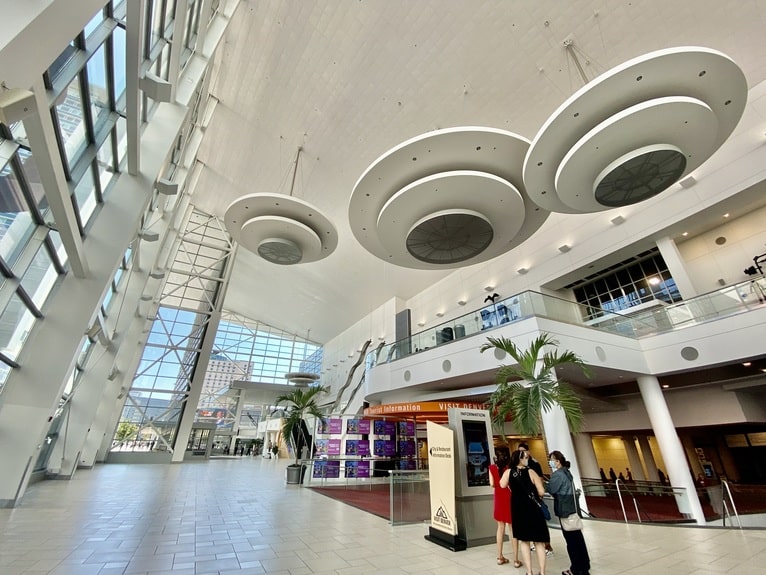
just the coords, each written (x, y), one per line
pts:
(347, 81)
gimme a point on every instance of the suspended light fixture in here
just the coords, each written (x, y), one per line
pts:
(636, 130)
(281, 229)
(445, 199)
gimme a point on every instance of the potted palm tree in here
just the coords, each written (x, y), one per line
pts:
(296, 406)
(534, 387)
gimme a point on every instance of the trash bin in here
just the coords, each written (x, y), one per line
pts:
(294, 473)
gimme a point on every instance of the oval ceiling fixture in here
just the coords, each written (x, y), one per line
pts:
(445, 199)
(634, 131)
(301, 377)
(281, 229)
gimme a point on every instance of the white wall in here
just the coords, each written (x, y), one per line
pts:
(706, 261)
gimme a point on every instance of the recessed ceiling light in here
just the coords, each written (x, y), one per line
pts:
(461, 302)
(564, 248)
(665, 386)
(747, 364)
(489, 288)
(617, 220)
(726, 215)
(685, 234)
(654, 281)
(522, 271)
(421, 323)
(439, 314)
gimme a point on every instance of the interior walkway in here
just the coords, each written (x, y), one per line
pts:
(237, 516)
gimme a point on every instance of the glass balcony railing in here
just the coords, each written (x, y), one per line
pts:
(648, 318)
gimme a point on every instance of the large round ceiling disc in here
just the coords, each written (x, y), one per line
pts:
(685, 124)
(699, 74)
(460, 192)
(395, 191)
(253, 218)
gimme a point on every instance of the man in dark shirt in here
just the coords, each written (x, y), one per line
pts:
(533, 463)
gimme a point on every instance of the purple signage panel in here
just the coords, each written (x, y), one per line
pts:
(407, 447)
(364, 426)
(335, 426)
(357, 469)
(333, 447)
(352, 426)
(357, 447)
(385, 447)
(332, 469)
(390, 448)
(406, 428)
(351, 469)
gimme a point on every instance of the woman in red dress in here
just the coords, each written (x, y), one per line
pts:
(498, 480)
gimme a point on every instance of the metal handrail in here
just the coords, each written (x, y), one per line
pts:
(725, 484)
(619, 496)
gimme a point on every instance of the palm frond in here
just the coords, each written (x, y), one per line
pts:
(298, 404)
(536, 388)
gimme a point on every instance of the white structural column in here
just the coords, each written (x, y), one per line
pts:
(585, 454)
(633, 459)
(671, 255)
(648, 457)
(42, 141)
(558, 438)
(670, 445)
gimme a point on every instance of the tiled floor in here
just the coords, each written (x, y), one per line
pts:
(237, 516)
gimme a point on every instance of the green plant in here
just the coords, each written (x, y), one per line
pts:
(298, 404)
(535, 387)
(125, 430)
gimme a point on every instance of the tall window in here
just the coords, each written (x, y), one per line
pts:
(629, 285)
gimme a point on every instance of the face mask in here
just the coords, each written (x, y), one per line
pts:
(552, 463)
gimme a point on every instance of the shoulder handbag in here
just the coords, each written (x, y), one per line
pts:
(541, 504)
(572, 522)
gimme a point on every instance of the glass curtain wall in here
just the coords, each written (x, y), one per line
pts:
(249, 350)
(629, 285)
(86, 86)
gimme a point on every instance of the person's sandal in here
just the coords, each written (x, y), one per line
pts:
(502, 560)
(517, 563)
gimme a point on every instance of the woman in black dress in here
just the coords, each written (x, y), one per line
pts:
(529, 525)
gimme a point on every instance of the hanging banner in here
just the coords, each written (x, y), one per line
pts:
(441, 473)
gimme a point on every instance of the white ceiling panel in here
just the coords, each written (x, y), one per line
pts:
(349, 80)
